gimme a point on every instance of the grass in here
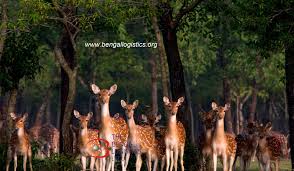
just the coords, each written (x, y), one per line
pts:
(285, 165)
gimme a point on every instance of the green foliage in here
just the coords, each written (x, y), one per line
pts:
(56, 162)
(192, 157)
(20, 59)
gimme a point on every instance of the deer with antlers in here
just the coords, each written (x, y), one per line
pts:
(141, 139)
(113, 129)
(88, 141)
(175, 135)
(246, 145)
(223, 144)
(272, 146)
(208, 119)
(19, 143)
(158, 152)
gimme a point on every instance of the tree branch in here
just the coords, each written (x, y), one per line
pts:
(246, 97)
(60, 58)
(185, 10)
(3, 26)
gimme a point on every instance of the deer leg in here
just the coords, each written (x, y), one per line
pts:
(15, 161)
(277, 165)
(25, 157)
(231, 162)
(84, 162)
(138, 161)
(171, 160)
(167, 153)
(30, 158)
(225, 161)
(92, 163)
(176, 155)
(128, 153)
(9, 157)
(123, 156)
(182, 150)
(149, 162)
(162, 163)
(97, 165)
(214, 161)
(155, 164)
(268, 166)
(111, 160)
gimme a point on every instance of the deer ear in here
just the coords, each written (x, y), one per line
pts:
(158, 118)
(123, 103)
(113, 89)
(95, 89)
(13, 116)
(180, 101)
(166, 100)
(213, 106)
(77, 114)
(227, 107)
(25, 116)
(135, 103)
(144, 118)
(268, 126)
(90, 115)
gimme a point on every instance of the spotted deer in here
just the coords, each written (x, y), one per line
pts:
(175, 135)
(158, 152)
(223, 144)
(19, 143)
(46, 135)
(208, 119)
(88, 141)
(272, 146)
(141, 139)
(246, 145)
(113, 129)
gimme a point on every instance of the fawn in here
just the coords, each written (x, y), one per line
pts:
(271, 147)
(246, 145)
(175, 135)
(141, 138)
(159, 145)
(113, 129)
(208, 119)
(223, 144)
(19, 143)
(88, 140)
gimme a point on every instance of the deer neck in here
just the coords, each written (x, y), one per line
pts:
(105, 116)
(219, 134)
(172, 125)
(132, 126)
(208, 134)
(20, 132)
(84, 135)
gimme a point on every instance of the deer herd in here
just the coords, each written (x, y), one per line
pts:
(164, 144)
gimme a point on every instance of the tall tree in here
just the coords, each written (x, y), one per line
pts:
(3, 26)
(169, 23)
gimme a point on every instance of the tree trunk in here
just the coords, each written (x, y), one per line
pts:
(65, 52)
(237, 114)
(252, 109)
(189, 102)
(154, 106)
(164, 72)
(3, 28)
(9, 109)
(289, 69)
(226, 89)
(176, 73)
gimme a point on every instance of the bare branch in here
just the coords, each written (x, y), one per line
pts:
(60, 58)
(185, 10)
(246, 97)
